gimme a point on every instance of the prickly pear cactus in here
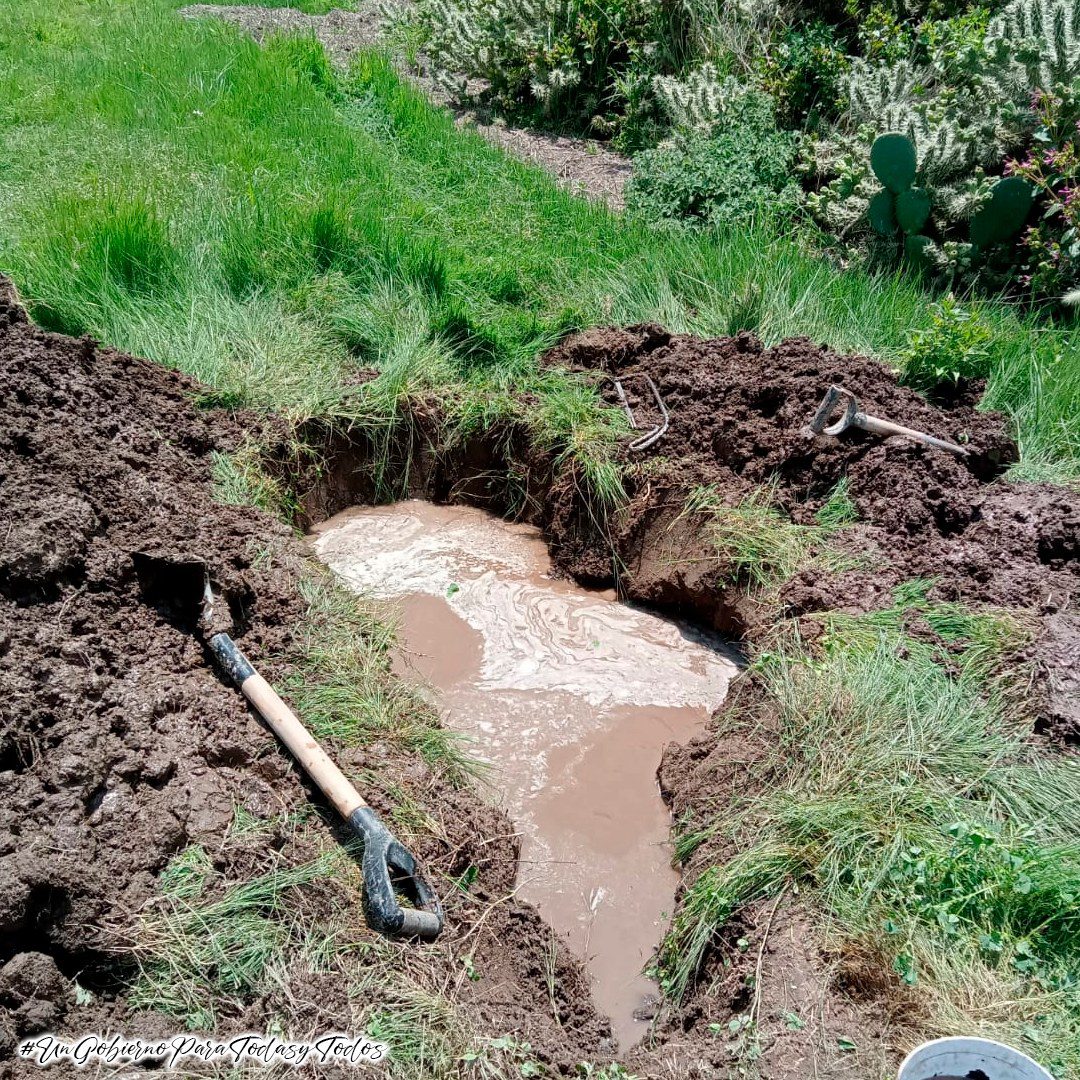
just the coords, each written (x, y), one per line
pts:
(893, 159)
(882, 213)
(899, 205)
(1004, 215)
(913, 210)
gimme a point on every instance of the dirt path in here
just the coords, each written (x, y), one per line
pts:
(584, 166)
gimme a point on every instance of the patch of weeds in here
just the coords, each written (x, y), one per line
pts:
(838, 509)
(186, 874)
(977, 645)
(612, 1071)
(710, 902)
(428, 1037)
(758, 543)
(240, 480)
(905, 800)
(957, 344)
(194, 954)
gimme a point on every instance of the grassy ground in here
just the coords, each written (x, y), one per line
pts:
(249, 217)
(246, 216)
(900, 792)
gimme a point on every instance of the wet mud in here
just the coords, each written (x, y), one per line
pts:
(569, 696)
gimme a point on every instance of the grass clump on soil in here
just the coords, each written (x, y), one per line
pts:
(198, 953)
(343, 690)
(213, 940)
(277, 229)
(904, 795)
(757, 544)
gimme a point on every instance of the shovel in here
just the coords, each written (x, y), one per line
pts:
(851, 417)
(183, 586)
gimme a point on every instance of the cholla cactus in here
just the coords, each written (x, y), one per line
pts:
(698, 101)
(882, 95)
(511, 44)
(1036, 46)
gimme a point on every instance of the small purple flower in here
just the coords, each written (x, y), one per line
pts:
(1050, 157)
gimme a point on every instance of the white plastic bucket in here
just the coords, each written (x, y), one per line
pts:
(979, 1059)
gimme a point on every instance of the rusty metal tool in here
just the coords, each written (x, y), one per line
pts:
(653, 434)
(183, 585)
(851, 417)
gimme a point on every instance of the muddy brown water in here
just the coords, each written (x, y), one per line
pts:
(568, 694)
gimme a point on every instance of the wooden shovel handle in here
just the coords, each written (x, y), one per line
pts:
(309, 755)
(887, 427)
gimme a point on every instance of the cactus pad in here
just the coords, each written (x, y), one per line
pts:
(913, 209)
(1004, 215)
(893, 159)
(881, 214)
(917, 250)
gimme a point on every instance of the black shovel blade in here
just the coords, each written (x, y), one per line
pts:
(174, 585)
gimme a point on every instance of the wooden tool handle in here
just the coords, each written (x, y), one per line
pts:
(309, 755)
(887, 427)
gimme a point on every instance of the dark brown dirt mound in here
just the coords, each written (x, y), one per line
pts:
(737, 417)
(119, 745)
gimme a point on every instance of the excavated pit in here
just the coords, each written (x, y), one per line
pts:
(120, 746)
(569, 696)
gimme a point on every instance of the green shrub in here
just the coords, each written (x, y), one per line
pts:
(740, 170)
(803, 71)
(956, 345)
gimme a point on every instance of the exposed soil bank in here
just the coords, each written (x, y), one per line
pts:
(119, 745)
(737, 414)
(571, 698)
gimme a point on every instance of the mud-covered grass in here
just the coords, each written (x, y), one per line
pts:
(759, 544)
(255, 219)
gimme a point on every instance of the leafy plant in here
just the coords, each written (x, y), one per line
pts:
(955, 345)
(739, 170)
(1052, 168)
(803, 69)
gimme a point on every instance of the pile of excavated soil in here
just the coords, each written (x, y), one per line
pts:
(120, 745)
(737, 417)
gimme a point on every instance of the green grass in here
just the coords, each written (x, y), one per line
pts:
(905, 799)
(197, 955)
(343, 690)
(309, 7)
(756, 544)
(250, 217)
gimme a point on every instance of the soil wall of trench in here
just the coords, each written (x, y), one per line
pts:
(119, 745)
